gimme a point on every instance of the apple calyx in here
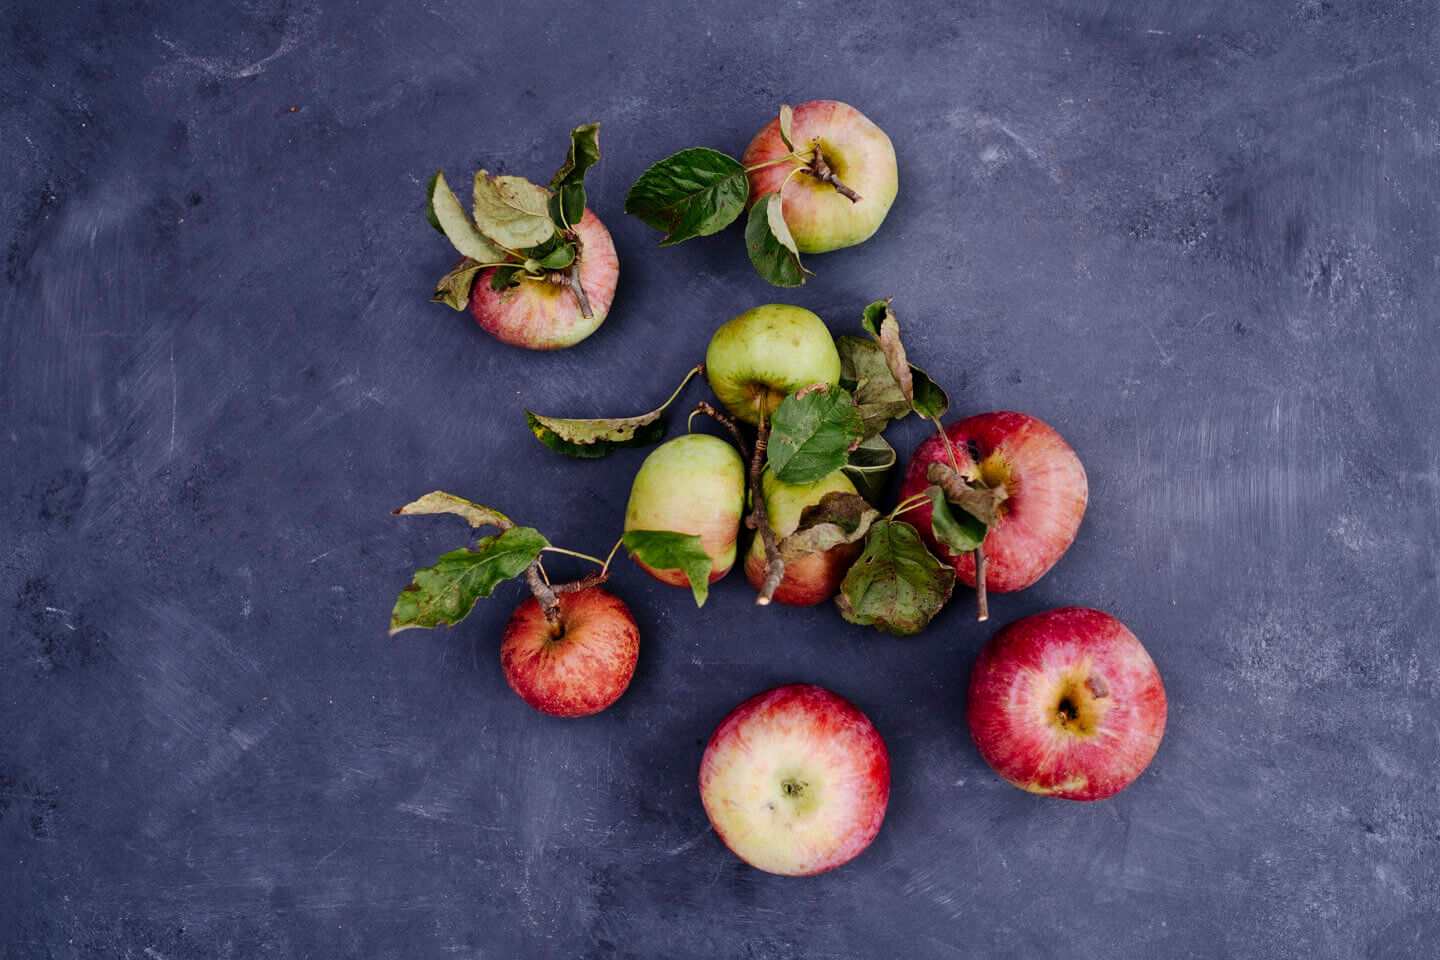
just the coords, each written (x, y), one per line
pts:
(1081, 704)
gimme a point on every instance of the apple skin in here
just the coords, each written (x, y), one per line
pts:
(582, 671)
(795, 780)
(814, 577)
(545, 316)
(1048, 493)
(1031, 671)
(693, 484)
(861, 155)
(767, 353)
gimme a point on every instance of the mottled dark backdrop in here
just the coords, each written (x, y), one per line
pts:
(1197, 237)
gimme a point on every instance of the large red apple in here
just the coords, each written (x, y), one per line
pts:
(542, 315)
(1067, 703)
(582, 667)
(795, 780)
(1046, 486)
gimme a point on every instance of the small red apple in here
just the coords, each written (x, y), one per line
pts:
(542, 315)
(1067, 703)
(582, 670)
(1046, 486)
(795, 780)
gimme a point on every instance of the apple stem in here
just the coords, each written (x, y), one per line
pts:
(545, 596)
(728, 423)
(982, 605)
(758, 521)
(820, 168)
(573, 280)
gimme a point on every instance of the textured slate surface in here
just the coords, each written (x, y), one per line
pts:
(1199, 238)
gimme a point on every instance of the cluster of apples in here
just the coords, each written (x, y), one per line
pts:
(795, 780)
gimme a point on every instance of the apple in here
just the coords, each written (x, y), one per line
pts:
(815, 576)
(857, 152)
(693, 484)
(795, 780)
(1067, 703)
(582, 667)
(542, 315)
(762, 356)
(1046, 486)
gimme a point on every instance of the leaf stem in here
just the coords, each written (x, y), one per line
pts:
(909, 503)
(698, 368)
(572, 553)
(758, 521)
(605, 567)
(792, 155)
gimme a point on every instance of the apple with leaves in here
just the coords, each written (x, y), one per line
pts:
(814, 575)
(538, 268)
(816, 178)
(796, 780)
(569, 650)
(1067, 703)
(1038, 487)
(767, 353)
(684, 512)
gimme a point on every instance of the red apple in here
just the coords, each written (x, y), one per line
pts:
(1067, 703)
(584, 668)
(1046, 486)
(795, 780)
(546, 316)
(850, 146)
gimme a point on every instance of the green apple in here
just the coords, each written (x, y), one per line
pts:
(766, 354)
(816, 576)
(693, 484)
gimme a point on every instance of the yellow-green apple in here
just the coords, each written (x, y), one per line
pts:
(1067, 703)
(762, 356)
(816, 576)
(695, 485)
(795, 780)
(544, 314)
(1046, 486)
(582, 665)
(829, 137)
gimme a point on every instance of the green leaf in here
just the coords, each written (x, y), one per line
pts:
(811, 434)
(930, 399)
(864, 371)
(572, 203)
(442, 502)
(771, 247)
(446, 592)
(956, 529)
(443, 210)
(838, 518)
(667, 550)
(869, 467)
(454, 287)
(923, 394)
(694, 193)
(512, 211)
(592, 439)
(897, 585)
(874, 314)
(787, 117)
(559, 258)
(504, 277)
(584, 154)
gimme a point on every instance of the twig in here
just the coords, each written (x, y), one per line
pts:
(545, 596)
(592, 579)
(758, 521)
(728, 423)
(820, 168)
(982, 606)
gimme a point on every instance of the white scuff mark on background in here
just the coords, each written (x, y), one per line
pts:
(296, 30)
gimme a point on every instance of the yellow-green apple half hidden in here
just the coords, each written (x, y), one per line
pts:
(539, 268)
(814, 577)
(840, 178)
(578, 668)
(767, 353)
(694, 485)
(1046, 486)
(795, 780)
(1067, 703)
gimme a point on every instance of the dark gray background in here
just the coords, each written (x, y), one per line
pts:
(1199, 238)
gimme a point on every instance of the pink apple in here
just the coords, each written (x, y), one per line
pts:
(796, 780)
(542, 315)
(1047, 494)
(1067, 703)
(859, 153)
(584, 668)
